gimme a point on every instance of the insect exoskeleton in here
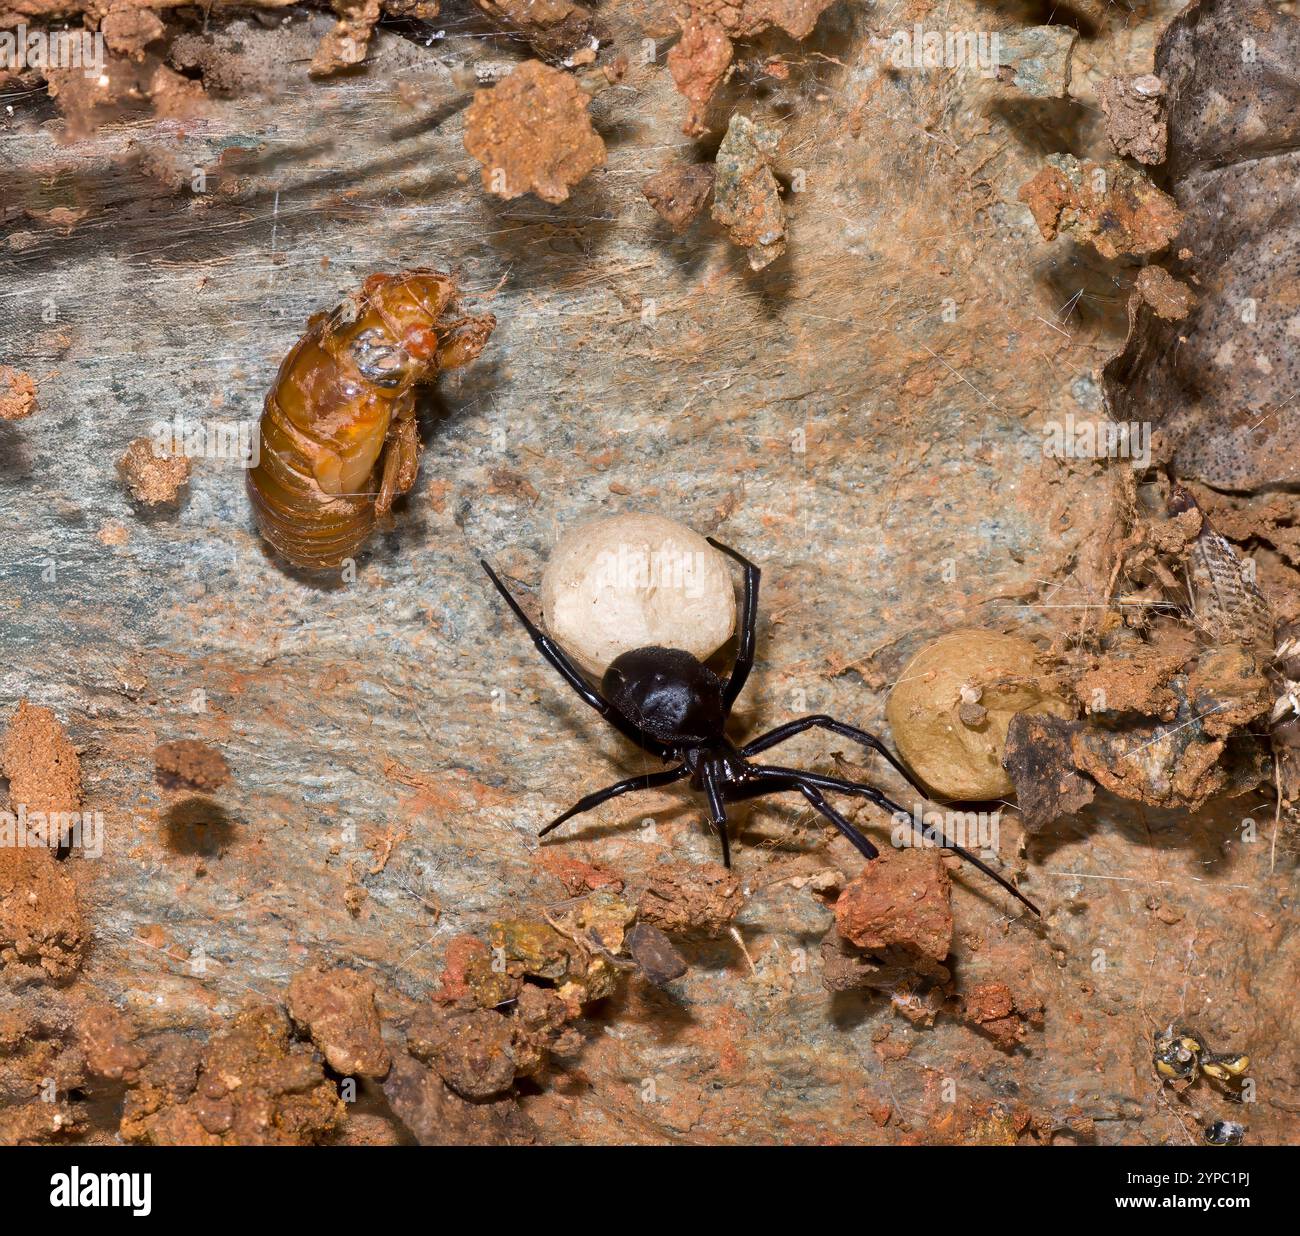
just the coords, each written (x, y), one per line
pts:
(339, 439)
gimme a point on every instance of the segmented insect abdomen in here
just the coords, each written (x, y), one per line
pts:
(299, 520)
(338, 436)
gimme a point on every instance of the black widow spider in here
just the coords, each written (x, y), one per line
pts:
(673, 706)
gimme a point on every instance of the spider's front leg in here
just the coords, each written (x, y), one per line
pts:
(712, 779)
(558, 659)
(748, 626)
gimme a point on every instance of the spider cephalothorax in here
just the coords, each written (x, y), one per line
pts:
(673, 706)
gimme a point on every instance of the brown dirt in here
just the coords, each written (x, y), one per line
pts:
(129, 30)
(40, 762)
(699, 62)
(437, 1116)
(687, 900)
(532, 134)
(1136, 681)
(108, 1039)
(577, 876)
(187, 762)
(337, 1009)
(679, 193)
(133, 83)
(701, 58)
(41, 1069)
(153, 480)
(1110, 206)
(17, 394)
(251, 1085)
(1171, 299)
(471, 1049)
(994, 1009)
(42, 934)
(1135, 117)
(555, 28)
(462, 958)
(347, 44)
(903, 899)
(743, 19)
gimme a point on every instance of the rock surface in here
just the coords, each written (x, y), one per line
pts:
(864, 418)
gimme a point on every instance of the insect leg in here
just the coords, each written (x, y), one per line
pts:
(648, 781)
(748, 627)
(870, 741)
(559, 660)
(466, 341)
(717, 808)
(387, 482)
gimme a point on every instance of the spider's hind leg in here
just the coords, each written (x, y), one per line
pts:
(818, 781)
(822, 807)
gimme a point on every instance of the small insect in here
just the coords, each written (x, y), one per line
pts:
(671, 705)
(1225, 601)
(338, 434)
(1224, 1133)
(1181, 1055)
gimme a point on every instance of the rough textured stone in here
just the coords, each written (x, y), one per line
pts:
(882, 462)
(337, 1008)
(902, 899)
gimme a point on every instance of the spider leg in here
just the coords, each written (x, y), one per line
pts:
(859, 789)
(647, 781)
(869, 792)
(717, 808)
(748, 627)
(822, 807)
(791, 785)
(820, 720)
(559, 660)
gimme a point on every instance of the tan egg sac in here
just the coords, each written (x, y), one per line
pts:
(636, 581)
(953, 703)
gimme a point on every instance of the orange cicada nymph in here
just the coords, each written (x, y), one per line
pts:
(339, 439)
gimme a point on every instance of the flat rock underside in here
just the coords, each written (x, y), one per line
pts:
(864, 417)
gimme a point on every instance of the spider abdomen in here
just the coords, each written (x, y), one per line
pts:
(667, 693)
